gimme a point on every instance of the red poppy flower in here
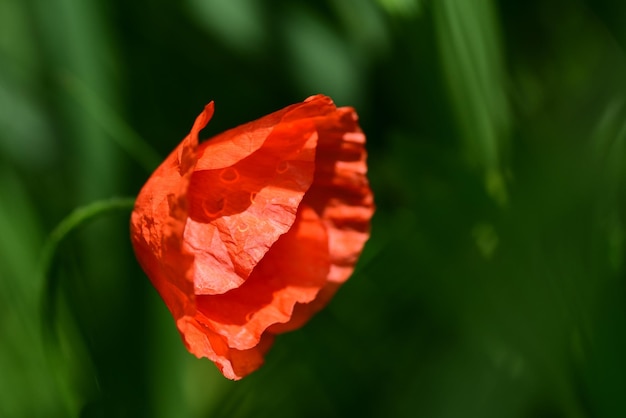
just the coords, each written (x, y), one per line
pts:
(247, 235)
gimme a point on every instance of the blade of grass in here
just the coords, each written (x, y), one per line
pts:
(469, 43)
(125, 136)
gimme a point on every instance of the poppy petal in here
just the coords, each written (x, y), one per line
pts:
(341, 196)
(158, 221)
(237, 212)
(292, 271)
(234, 364)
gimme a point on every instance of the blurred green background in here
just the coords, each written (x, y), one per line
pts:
(494, 282)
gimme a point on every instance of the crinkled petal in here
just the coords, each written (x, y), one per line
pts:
(158, 221)
(234, 364)
(293, 271)
(237, 212)
(341, 196)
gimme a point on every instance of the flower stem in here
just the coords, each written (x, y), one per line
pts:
(75, 219)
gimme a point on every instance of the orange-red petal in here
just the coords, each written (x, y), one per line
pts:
(293, 271)
(341, 196)
(234, 364)
(158, 221)
(238, 211)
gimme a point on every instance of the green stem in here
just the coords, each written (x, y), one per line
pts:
(77, 218)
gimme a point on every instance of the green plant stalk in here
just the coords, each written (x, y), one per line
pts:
(74, 220)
